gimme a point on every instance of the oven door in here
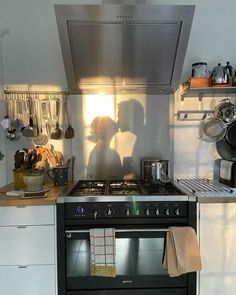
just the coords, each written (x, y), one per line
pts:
(139, 254)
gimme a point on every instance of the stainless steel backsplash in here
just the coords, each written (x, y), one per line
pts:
(114, 132)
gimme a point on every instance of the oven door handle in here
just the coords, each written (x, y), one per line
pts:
(120, 230)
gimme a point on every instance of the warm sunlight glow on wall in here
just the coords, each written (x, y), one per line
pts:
(98, 105)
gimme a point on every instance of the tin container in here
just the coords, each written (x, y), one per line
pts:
(199, 69)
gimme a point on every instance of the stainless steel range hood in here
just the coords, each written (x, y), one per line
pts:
(124, 48)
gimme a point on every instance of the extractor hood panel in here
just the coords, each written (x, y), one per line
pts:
(124, 47)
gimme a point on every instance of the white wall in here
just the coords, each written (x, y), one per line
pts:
(2, 133)
(32, 54)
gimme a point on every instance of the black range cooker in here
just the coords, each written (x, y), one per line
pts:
(140, 213)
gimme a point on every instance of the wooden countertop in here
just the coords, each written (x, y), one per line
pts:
(51, 198)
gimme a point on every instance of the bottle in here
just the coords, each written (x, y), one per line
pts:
(234, 79)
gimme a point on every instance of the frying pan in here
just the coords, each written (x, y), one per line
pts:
(231, 134)
(226, 147)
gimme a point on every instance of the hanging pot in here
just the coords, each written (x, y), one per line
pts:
(226, 111)
(231, 134)
(226, 147)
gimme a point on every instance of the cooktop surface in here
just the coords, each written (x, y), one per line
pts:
(123, 188)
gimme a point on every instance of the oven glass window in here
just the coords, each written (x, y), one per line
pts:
(134, 256)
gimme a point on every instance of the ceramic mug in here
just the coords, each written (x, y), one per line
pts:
(59, 175)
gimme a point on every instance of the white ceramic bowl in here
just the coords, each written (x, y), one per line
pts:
(33, 182)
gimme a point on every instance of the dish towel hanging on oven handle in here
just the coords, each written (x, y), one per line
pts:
(103, 252)
(182, 254)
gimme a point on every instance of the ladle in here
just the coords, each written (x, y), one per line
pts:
(41, 139)
(29, 131)
(56, 133)
(69, 133)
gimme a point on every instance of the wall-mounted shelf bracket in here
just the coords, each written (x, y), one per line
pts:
(193, 115)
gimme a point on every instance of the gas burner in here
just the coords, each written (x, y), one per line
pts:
(91, 184)
(167, 188)
(124, 184)
(89, 188)
(125, 192)
(87, 191)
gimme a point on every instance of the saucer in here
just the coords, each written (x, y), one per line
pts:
(38, 191)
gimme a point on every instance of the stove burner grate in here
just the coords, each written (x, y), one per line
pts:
(123, 188)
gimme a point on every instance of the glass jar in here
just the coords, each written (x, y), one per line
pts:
(18, 177)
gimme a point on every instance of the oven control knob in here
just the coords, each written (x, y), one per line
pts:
(109, 212)
(127, 212)
(167, 212)
(147, 212)
(95, 213)
(157, 212)
(176, 211)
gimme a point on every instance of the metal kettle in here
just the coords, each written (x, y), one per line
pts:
(220, 75)
(154, 170)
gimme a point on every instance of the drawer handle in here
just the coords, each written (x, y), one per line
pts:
(21, 226)
(22, 266)
(20, 206)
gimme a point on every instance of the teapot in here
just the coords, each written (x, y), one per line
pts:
(220, 75)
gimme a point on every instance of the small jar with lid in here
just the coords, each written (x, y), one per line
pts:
(200, 70)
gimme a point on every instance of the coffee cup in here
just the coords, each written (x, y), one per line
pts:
(59, 175)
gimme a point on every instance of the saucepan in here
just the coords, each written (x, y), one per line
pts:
(226, 111)
(154, 170)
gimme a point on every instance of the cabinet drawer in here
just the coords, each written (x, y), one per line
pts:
(25, 245)
(32, 280)
(26, 215)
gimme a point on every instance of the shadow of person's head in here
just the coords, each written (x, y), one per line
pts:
(102, 129)
(130, 116)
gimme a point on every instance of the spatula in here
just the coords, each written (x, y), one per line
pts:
(69, 133)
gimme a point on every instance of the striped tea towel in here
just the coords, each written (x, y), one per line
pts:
(102, 246)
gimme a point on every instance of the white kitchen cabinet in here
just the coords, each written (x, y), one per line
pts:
(34, 280)
(26, 215)
(217, 237)
(27, 245)
(27, 250)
